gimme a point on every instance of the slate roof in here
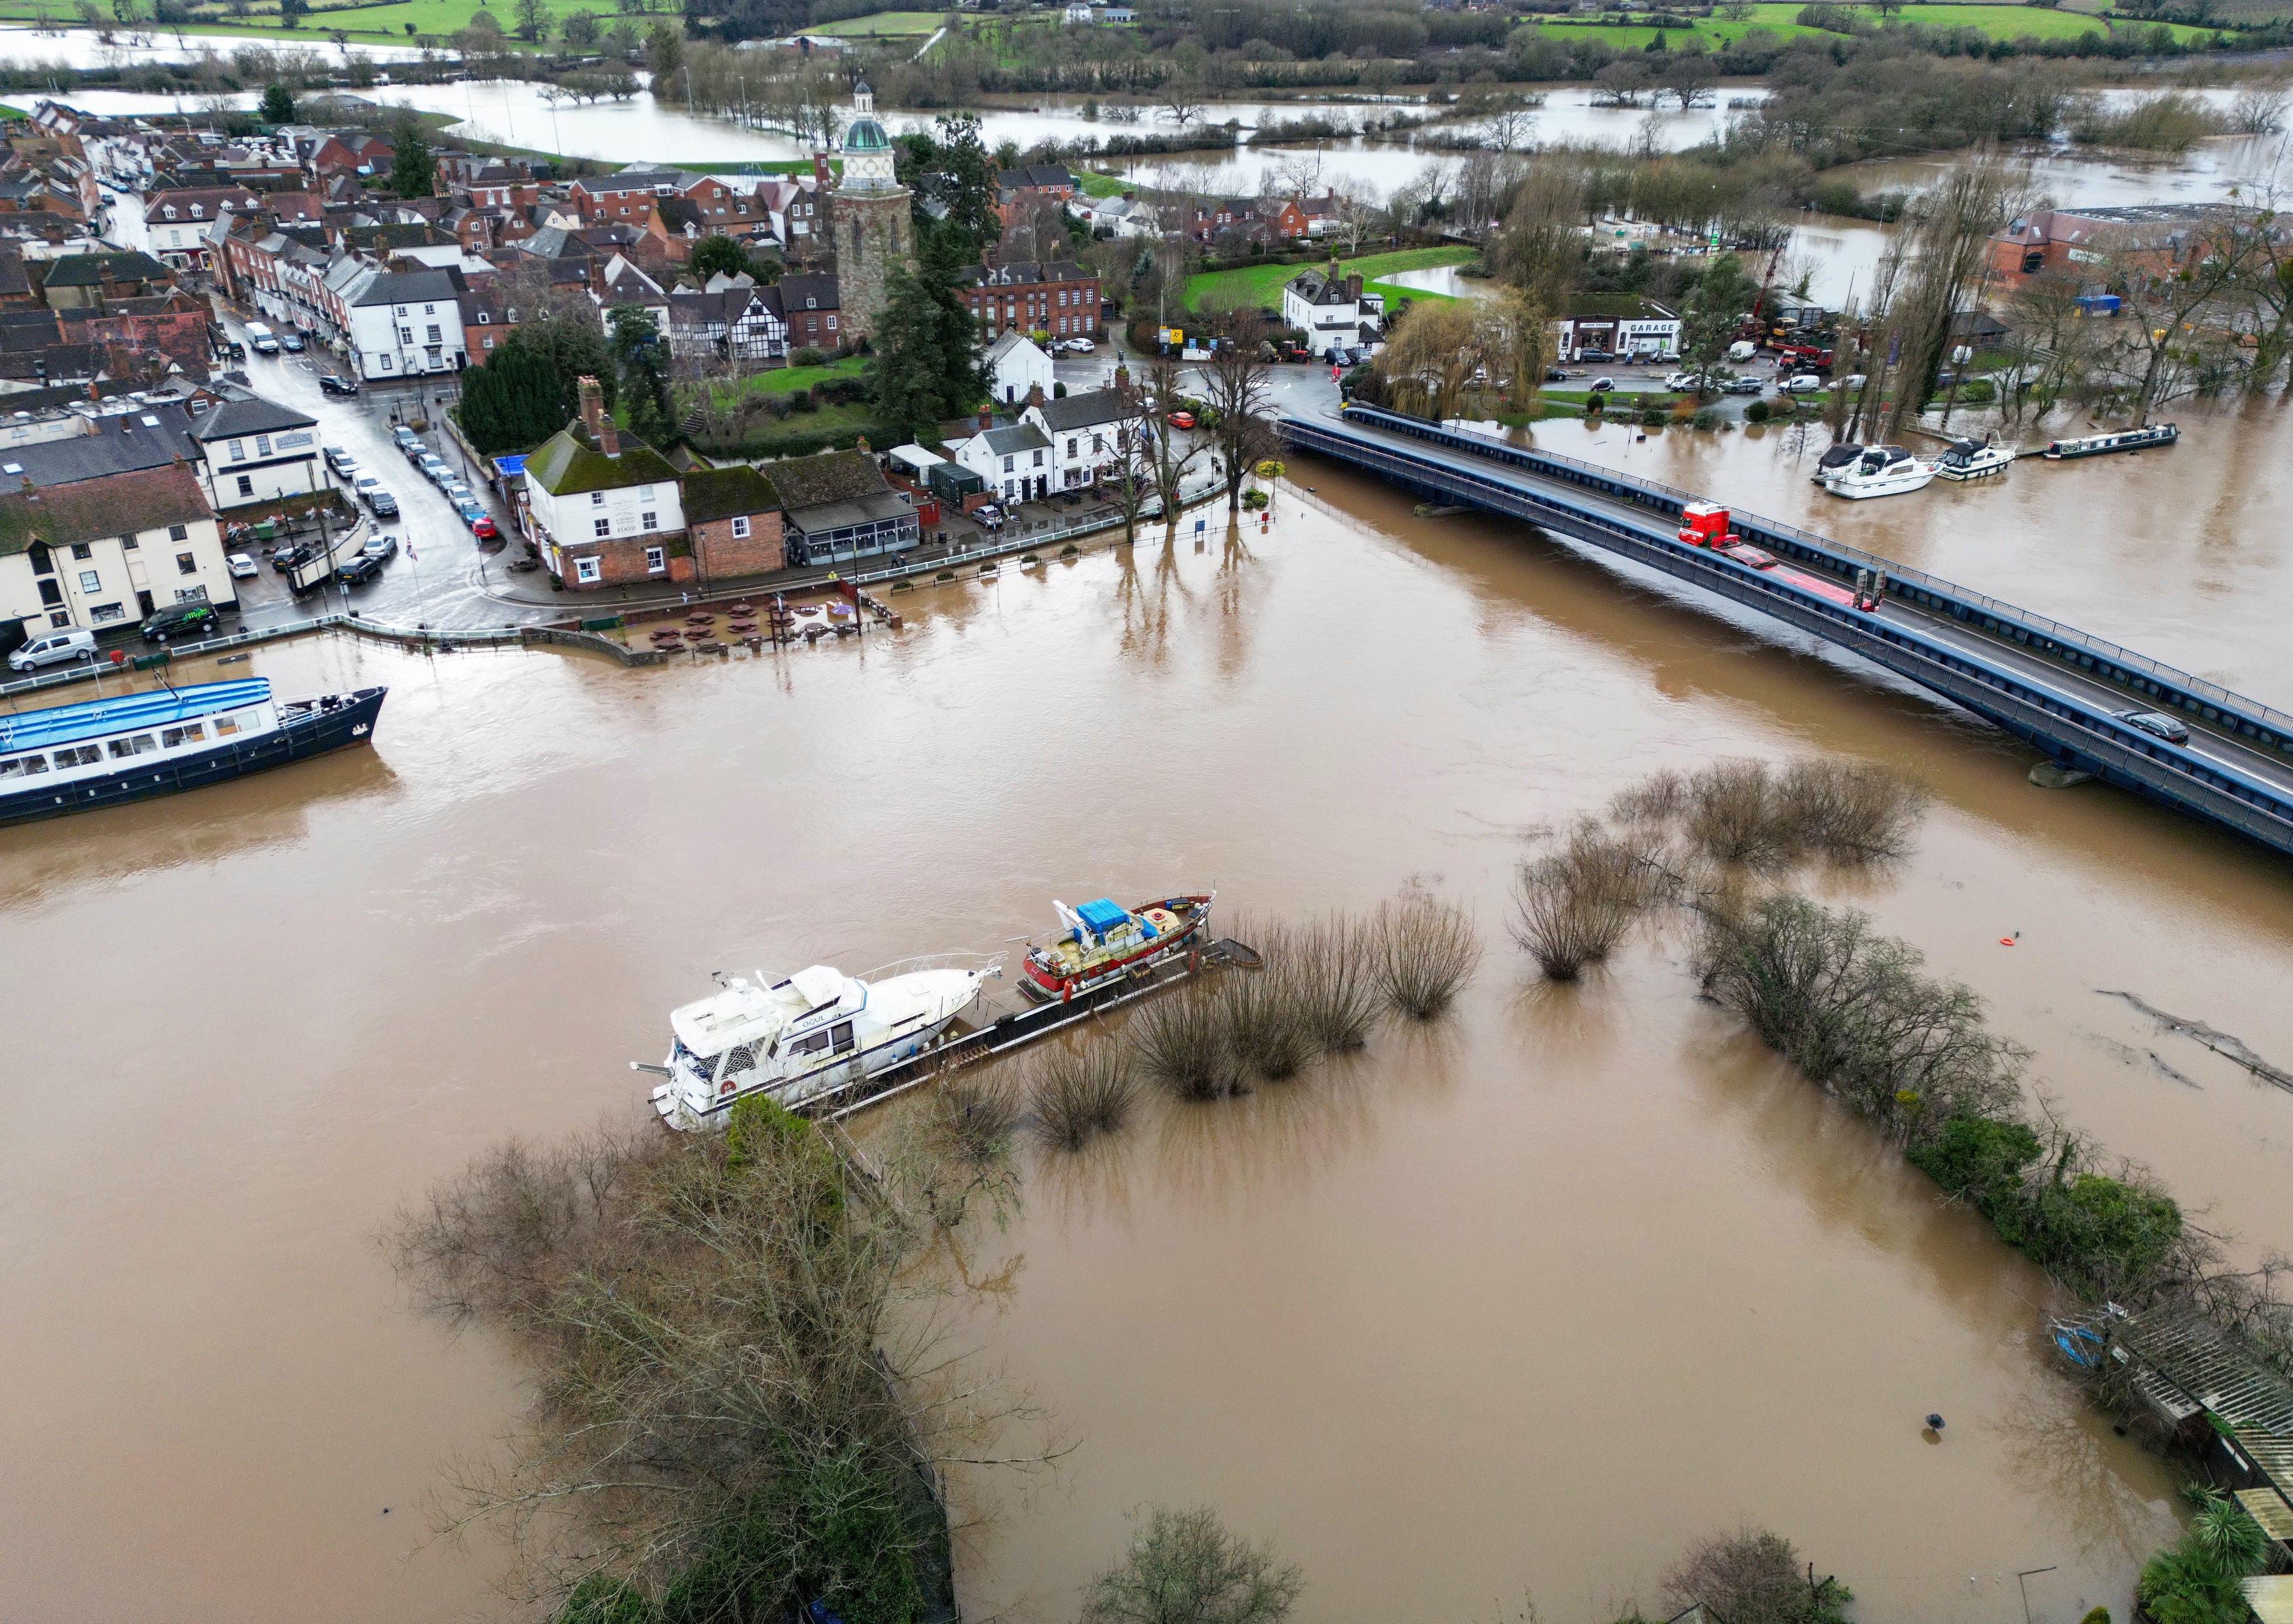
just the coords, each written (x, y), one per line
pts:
(570, 463)
(808, 290)
(1088, 410)
(723, 493)
(1318, 288)
(123, 443)
(86, 269)
(631, 180)
(1022, 273)
(146, 501)
(238, 419)
(409, 287)
(1018, 436)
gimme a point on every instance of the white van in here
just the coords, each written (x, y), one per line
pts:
(265, 342)
(53, 648)
(1742, 350)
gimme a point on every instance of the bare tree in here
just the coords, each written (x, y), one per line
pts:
(1234, 383)
(1168, 456)
(725, 1330)
(1129, 481)
(1182, 99)
(2179, 308)
(1184, 1568)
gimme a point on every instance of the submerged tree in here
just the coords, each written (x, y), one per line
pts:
(1184, 1567)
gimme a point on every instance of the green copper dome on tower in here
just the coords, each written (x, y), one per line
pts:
(866, 135)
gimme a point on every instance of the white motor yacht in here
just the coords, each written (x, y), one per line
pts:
(1860, 472)
(1973, 459)
(799, 1041)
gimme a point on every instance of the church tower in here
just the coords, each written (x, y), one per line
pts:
(874, 233)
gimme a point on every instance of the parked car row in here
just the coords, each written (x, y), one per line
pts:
(459, 496)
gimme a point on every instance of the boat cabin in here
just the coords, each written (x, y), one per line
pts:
(68, 743)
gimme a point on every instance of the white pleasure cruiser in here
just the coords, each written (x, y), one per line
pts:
(1973, 459)
(1858, 471)
(799, 1039)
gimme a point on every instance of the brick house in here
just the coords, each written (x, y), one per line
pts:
(2080, 245)
(837, 505)
(1058, 298)
(726, 212)
(603, 507)
(808, 307)
(624, 199)
(733, 517)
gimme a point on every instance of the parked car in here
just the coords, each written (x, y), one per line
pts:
(338, 458)
(1742, 350)
(988, 517)
(1601, 386)
(295, 557)
(484, 528)
(360, 570)
(1680, 380)
(433, 469)
(1594, 355)
(242, 566)
(456, 491)
(1805, 383)
(384, 504)
(1181, 420)
(1853, 380)
(1079, 346)
(1554, 374)
(404, 436)
(291, 341)
(1744, 386)
(368, 486)
(333, 384)
(414, 449)
(53, 648)
(195, 619)
(471, 513)
(382, 545)
(2151, 722)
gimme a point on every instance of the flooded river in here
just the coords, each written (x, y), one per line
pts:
(1522, 1303)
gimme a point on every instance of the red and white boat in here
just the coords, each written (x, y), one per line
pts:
(1103, 943)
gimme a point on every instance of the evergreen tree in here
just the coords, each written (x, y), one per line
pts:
(644, 374)
(712, 254)
(511, 403)
(928, 365)
(278, 105)
(413, 172)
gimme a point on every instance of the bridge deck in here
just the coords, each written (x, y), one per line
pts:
(2051, 684)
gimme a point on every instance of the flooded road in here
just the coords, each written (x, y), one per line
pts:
(1523, 1303)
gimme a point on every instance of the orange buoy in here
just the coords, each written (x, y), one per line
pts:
(2005, 941)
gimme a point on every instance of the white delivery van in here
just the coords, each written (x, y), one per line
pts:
(1742, 350)
(265, 342)
(53, 648)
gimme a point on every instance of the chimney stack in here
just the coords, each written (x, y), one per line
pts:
(1035, 394)
(600, 427)
(986, 418)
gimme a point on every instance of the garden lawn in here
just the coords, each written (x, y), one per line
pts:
(1261, 284)
(788, 380)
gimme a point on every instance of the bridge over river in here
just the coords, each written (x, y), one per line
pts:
(2051, 684)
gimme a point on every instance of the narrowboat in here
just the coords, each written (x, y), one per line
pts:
(808, 1036)
(1103, 941)
(2125, 440)
(73, 758)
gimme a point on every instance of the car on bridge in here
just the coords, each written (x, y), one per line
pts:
(2161, 726)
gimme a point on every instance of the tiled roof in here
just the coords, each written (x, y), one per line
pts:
(236, 419)
(570, 463)
(93, 508)
(826, 476)
(87, 269)
(723, 493)
(1088, 410)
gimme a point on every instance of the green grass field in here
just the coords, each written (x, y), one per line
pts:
(912, 25)
(1096, 185)
(1998, 22)
(1261, 284)
(366, 25)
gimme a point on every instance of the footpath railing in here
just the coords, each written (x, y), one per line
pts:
(1950, 597)
(1004, 546)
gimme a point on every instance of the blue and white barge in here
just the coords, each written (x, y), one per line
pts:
(103, 752)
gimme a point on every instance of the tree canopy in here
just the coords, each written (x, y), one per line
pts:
(513, 402)
(928, 365)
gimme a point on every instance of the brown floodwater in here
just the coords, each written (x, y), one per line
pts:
(1520, 1303)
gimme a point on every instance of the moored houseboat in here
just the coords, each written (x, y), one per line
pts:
(812, 1037)
(1103, 941)
(72, 758)
(2125, 440)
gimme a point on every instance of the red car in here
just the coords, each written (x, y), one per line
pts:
(1757, 558)
(1181, 420)
(484, 530)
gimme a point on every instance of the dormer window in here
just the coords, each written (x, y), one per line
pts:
(198, 211)
(169, 211)
(484, 320)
